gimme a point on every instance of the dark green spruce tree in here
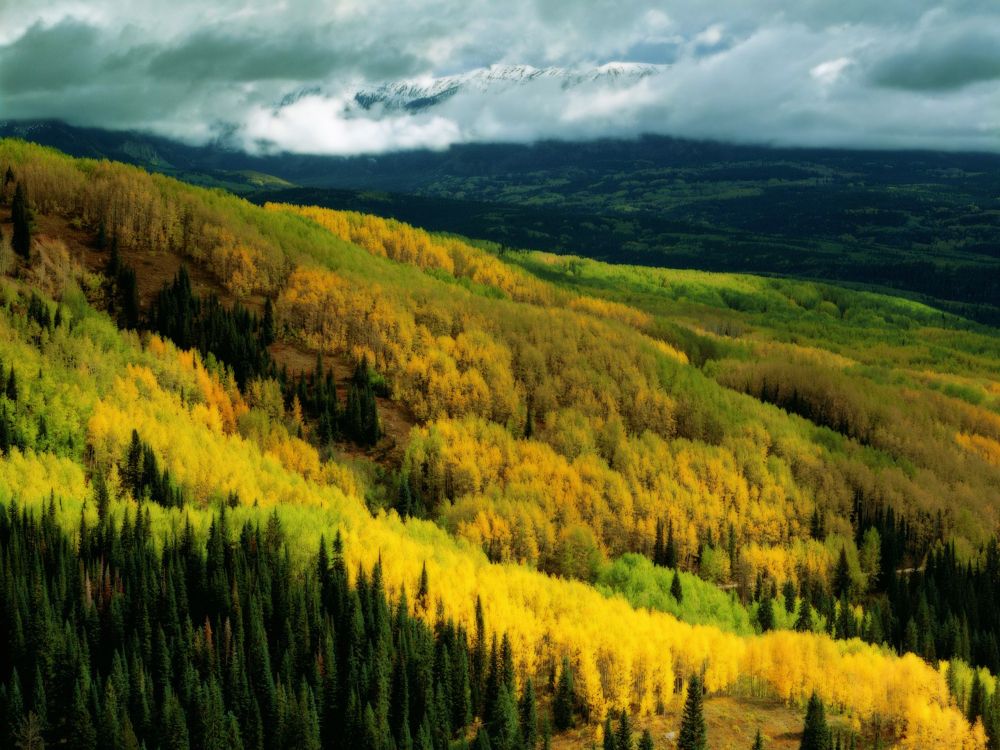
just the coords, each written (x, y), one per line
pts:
(20, 215)
(693, 733)
(816, 733)
(565, 699)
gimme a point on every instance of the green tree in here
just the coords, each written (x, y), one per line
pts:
(765, 614)
(267, 331)
(676, 590)
(623, 737)
(82, 735)
(20, 214)
(608, 740)
(816, 733)
(565, 699)
(758, 741)
(29, 733)
(646, 741)
(842, 575)
(529, 716)
(803, 622)
(788, 594)
(505, 732)
(693, 734)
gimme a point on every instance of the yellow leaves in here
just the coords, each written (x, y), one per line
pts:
(603, 308)
(979, 445)
(403, 243)
(929, 725)
(238, 268)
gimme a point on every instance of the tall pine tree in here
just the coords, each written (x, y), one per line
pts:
(693, 734)
(816, 733)
(20, 214)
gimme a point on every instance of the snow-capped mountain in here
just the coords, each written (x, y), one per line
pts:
(419, 94)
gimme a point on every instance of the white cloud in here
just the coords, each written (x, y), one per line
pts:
(829, 71)
(894, 73)
(318, 124)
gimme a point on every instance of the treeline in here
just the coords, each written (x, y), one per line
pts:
(239, 339)
(234, 335)
(221, 644)
(948, 609)
(316, 395)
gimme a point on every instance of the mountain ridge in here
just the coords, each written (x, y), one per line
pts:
(421, 94)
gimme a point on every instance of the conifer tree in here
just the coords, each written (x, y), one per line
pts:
(505, 731)
(977, 699)
(646, 741)
(693, 734)
(842, 575)
(267, 333)
(608, 739)
(20, 214)
(803, 623)
(8, 179)
(82, 734)
(623, 737)
(788, 594)
(565, 699)
(529, 716)
(758, 741)
(765, 614)
(676, 590)
(816, 733)
(670, 554)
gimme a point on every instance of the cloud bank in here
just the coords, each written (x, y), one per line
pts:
(283, 75)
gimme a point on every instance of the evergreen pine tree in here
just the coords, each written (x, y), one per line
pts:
(529, 716)
(565, 699)
(658, 544)
(505, 731)
(608, 739)
(758, 742)
(646, 741)
(842, 575)
(977, 698)
(816, 733)
(20, 214)
(676, 590)
(670, 554)
(803, 622)
(693, 734)
(623, 737)
(788, 594)
(765, 614)
(267, 332)
(81, 735)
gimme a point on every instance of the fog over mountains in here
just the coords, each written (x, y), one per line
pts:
(355, 78)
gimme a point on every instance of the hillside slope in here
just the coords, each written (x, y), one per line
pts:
(554, 429)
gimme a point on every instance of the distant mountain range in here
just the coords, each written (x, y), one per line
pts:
(422, 94)
(922, 222)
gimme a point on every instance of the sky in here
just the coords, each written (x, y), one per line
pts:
(857, 73)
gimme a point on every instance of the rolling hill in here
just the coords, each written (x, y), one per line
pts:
(627, 479)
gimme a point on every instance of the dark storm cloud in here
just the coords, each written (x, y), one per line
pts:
(49, 59)
(219, 56)
(906, 73)
(943, 62)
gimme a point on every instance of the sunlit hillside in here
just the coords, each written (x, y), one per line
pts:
(641, 476)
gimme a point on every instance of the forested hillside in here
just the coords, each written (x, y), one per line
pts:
(625, 478)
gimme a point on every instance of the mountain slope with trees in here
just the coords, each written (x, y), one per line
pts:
(554, 430)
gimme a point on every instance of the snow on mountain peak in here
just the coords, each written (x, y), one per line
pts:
(425, 93)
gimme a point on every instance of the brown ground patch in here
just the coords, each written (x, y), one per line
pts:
(732, 723)
(397, 420)
(154, 269)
